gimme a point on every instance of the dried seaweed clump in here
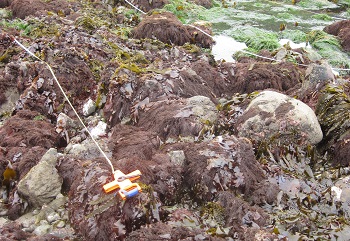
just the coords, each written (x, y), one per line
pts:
(164, 27)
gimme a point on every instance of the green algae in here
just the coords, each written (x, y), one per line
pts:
(285, 15)
(213, 212)
(89, 23)
(297, 36)
(323, 16)
(256, 39)
(18, 24)
(185, 11)
(316, 4)
(6, 56)
(38, 28)
(39, 118)
(122, 32)
(329, 48)
(96, 68)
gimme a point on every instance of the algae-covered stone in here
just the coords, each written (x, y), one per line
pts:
(278, 116)
(333, 114)
(42, 183)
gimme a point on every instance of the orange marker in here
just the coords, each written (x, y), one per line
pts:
(124, 183)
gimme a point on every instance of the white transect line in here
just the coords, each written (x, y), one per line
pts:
(66, 97)
(256, 55)
(134, 7)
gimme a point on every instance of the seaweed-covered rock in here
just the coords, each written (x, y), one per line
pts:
(162, 231)
(178, 118)
(128, 98)
(272, 115)
(167, 28)
(26, 136)
(225, 164)
(241, 216)
(13, 231)
(332, 111)
(24, 8)
(253, 76)
(164, 27)
(342, 30)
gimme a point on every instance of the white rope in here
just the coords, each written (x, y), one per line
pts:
(66, 97)
(199, 30)
(134, 6)
(262, 57)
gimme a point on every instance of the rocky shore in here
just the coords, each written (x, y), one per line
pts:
(247, 150)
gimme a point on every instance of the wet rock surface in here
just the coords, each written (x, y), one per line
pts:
(227, 151)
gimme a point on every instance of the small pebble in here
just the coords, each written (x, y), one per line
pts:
(61, 224)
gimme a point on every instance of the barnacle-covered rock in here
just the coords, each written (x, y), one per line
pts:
(272, 115)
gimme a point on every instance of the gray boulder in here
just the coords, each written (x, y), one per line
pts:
(278, 116)
(42, 183)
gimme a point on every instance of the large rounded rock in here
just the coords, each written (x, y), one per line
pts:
(272, 115)
(42, 183)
